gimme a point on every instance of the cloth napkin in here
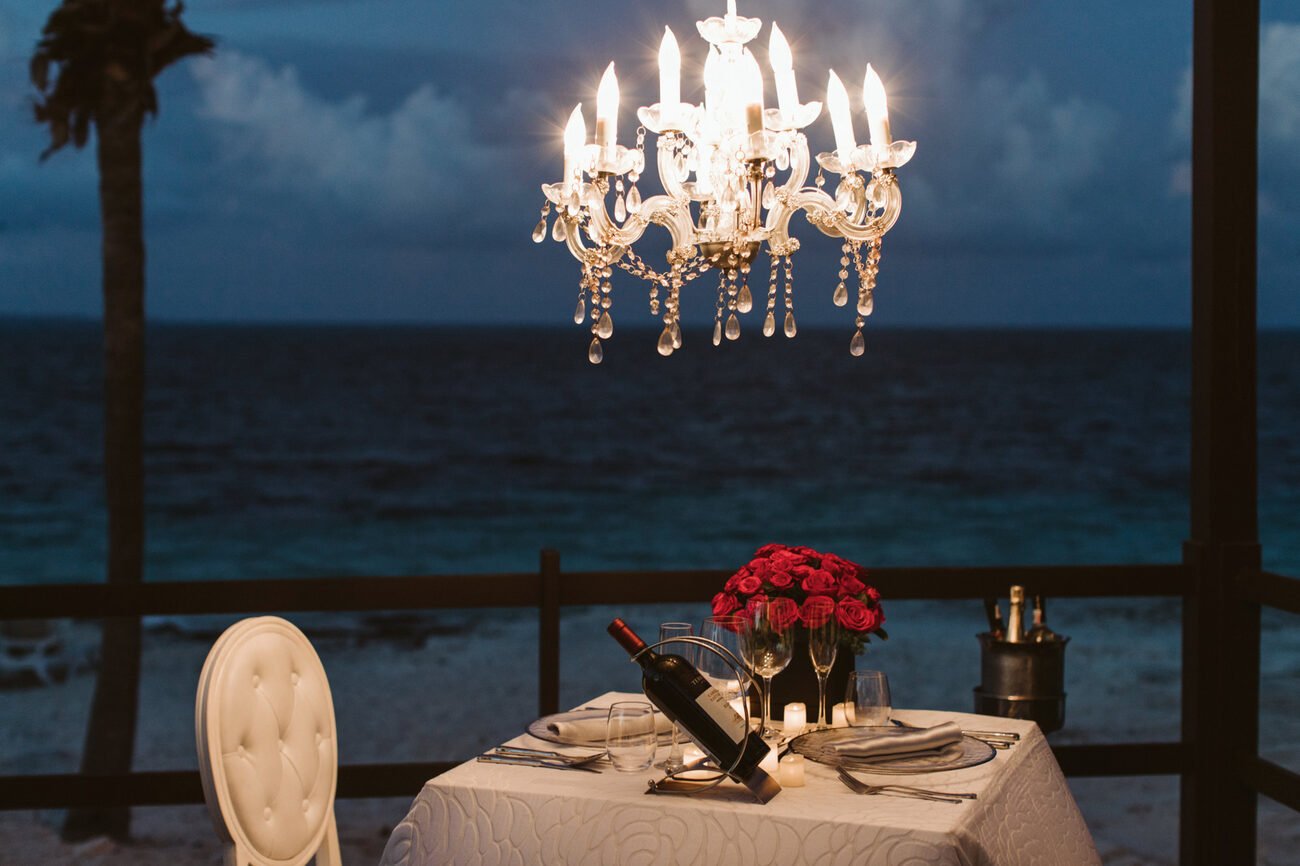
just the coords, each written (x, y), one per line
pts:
(593, 728)
(869, 744)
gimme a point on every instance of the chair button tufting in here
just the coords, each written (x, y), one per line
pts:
(257, 681)
(293, 678)
(242, 752)
(305, 805)
(319, 739)
(266, 813)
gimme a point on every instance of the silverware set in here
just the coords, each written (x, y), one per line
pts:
(857, 786)
(1001, 740)
(522, 757)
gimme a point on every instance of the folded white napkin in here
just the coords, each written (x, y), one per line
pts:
(593, 728)
(873, 743)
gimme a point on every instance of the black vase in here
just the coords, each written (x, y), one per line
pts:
(798, 682)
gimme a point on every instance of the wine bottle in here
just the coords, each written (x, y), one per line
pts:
(683, 695)
(1039, 632)
(1016, 616)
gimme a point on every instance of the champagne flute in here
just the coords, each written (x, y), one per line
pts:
(823, 646)
(668, 631)
(769, 644)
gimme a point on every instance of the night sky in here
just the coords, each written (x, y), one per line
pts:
(379, 160)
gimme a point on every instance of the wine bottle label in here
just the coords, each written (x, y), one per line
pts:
(713, 703)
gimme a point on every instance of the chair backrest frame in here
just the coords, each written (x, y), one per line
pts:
(229, 708)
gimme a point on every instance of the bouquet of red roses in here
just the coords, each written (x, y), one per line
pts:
(816, 585)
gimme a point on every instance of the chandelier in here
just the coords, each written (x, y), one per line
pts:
(733, 174)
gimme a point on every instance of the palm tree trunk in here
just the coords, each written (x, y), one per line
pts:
(110, 733)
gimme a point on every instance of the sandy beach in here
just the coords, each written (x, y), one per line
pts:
(402, 692)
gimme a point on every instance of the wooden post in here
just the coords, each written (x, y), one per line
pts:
(548, 635)
(1220, 628)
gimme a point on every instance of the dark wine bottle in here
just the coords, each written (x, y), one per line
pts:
(683, 695)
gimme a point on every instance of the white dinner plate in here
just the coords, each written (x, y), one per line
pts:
(819, 746)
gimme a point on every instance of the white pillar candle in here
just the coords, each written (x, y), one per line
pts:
(839, 716)
(692, 755)
(791, 771)
(796, 718)
(575, 139)
(752, 87)
(769, 764)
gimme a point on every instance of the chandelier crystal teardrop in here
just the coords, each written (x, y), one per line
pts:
(719, 164)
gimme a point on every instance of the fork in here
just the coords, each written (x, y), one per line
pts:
(534, 761)
(542, 754)
(857, 786)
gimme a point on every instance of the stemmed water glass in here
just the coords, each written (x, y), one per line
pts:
(668, 631)
(768, 645)
(823, 646)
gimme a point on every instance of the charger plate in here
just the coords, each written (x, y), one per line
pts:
(819, 746)
(540, 728)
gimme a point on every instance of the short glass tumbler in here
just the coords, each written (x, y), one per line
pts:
(866, 700)
(630, 736)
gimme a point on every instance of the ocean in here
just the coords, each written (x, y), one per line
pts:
(298, 451)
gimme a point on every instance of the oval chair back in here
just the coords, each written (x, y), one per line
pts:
(264, 727)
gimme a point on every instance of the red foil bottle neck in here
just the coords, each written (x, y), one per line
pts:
(627, 638)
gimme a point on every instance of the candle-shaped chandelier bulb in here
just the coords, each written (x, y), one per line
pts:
(713, 83)
(575, 139)
(607, 109)
(751, 85)
(731, 8)
(837, 102)
(873, 95)
(670, 72)
(778, 52)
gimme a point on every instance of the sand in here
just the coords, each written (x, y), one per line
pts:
(446, 686)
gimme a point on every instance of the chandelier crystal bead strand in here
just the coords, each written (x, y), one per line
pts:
(733, 173)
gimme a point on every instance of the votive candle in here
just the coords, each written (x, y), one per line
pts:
(796, 718)
(791, 775)
(769, 763)
(839, 716)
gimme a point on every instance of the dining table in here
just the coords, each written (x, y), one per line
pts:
(490, 813)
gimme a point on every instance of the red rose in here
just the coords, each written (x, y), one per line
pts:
(818, 582)
(734, 580)
(784, 560)
(784, 613)
(724, 603)
(855, 616)
(851, 586)
(768, 550)
(754, 603)
(804, 551)
(749, 584)
(873, 595)
(780, 579)
(761, 568)
(817, 609)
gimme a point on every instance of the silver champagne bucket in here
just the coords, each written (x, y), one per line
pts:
(1023, 680)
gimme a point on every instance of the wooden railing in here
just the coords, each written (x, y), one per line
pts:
(549, 590)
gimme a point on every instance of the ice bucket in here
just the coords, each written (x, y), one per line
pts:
(1023, 680)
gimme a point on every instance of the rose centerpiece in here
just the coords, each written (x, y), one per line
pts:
(816, 586)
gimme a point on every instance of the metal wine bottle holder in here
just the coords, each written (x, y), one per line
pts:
(669, 785)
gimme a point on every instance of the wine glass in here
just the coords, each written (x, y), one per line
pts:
(768, 645)
(727, 631)
(630, 736)
(668, 631)
(867, 700)
(823, 646)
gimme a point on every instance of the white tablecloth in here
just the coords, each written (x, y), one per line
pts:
(485, 814)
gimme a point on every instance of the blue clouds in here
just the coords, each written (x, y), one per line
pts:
(387, 154)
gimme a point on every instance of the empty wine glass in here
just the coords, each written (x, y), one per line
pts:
(768, 645)
(630, 736)
(823, 646)
(724, 630)
(667, 631)
(867, 700)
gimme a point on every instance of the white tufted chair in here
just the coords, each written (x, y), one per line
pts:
(264, 727)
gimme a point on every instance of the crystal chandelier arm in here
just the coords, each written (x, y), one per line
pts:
(668, 177)
(657, 209)
(872, 229)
